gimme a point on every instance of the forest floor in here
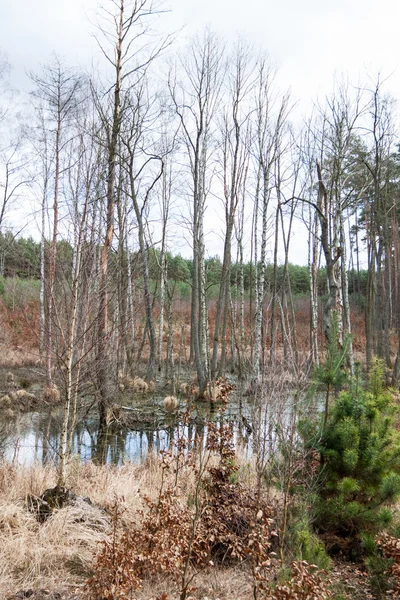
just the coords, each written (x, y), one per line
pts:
(52, 560)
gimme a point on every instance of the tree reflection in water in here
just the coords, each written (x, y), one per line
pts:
(35, 437)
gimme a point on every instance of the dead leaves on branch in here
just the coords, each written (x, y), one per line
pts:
(224, 522)
(219, 390)
(307, 582)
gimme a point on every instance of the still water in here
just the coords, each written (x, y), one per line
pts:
(34, 437)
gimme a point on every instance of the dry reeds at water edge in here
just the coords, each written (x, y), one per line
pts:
(170, 403)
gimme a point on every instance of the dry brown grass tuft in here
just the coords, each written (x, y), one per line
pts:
(139, 385)
(51, 394)
(184, 388)
(59, 552)
(5, 401)
(62, 549)
(170, 403)
(17, 482)
(136, 384)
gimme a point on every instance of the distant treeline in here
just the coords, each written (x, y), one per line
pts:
(20, 257)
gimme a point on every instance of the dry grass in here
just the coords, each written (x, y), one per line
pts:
(170, 403)
(51, 394)
(214, 584)
(57, 555)
(17, 356)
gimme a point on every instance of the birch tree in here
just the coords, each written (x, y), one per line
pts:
(334, 204)
(124, 39)
(271, 113)
(75, 321)
(57, 93)
(235, 146)
(196, 103)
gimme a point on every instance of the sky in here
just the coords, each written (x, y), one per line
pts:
(308, 40)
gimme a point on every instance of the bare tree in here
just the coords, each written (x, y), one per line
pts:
(333, 162)
(287, 168)
(379, 208)
(57, 93)
(196, 102)
(140, 115)
(271, 113)
(125, 42)
(15, 176)
(166, 150)
(235, 148)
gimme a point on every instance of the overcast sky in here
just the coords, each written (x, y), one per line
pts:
(308, 40)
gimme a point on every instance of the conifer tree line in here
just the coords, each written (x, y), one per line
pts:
(122, 165)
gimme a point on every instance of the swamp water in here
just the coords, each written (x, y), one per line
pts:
(34, 437)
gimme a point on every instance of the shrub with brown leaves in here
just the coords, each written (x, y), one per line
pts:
(160, 545)
(233, 516)
(115, 576)
(229, 522)
(307, 583)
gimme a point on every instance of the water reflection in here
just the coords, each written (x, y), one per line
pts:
(35, 437)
